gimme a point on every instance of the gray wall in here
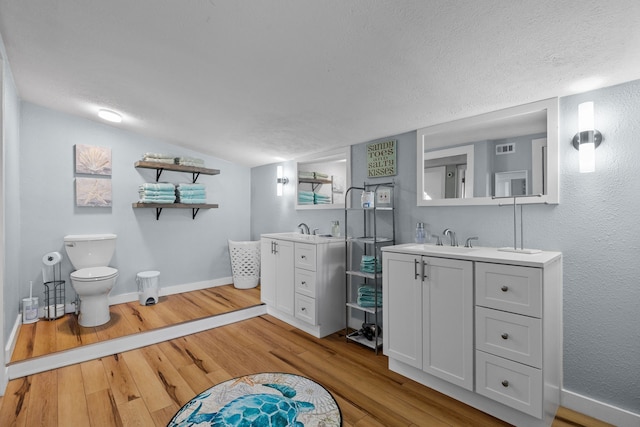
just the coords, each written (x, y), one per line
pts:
(11, 197)
(182, 249)
(595, 226)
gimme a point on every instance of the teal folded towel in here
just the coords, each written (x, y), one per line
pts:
(166, 192)
(157, 186)
(189, 186)
(183, 192)
(193, 200)
(157, 200)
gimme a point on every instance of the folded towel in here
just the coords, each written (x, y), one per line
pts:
(307, 175)
(190, 186)
(158, 199)
(168, 193)
(369, 303)
(159, 156)
(182, 192)
(199, 200)
(157, 186)
(187, 159)
(320, 175)
(154, 160)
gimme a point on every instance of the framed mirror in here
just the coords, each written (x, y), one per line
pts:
(482, 159)
(322, 179)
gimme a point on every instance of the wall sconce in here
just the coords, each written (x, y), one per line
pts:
(587, 138)
(281, 181)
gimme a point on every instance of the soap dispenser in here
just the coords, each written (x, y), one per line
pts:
(420, 233)
(335, 228)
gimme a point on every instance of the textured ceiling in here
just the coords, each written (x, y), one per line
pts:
(255, 82)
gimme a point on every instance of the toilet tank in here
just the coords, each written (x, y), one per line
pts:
(90, 250)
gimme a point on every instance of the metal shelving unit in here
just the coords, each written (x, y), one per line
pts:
(368, 244)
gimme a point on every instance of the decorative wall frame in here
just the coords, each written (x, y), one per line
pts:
(381, 159)
(93, 192)
(93, 160)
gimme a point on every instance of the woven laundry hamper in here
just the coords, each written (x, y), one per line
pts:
(245, 263)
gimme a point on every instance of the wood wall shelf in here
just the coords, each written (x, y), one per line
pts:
(159, 206)
(159, 167)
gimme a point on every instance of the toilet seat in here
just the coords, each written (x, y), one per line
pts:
(94, 274)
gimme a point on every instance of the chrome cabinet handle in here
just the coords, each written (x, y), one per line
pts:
(275, 247)
(505, 383)
(303, 283)
(505, 336)
(415, 269)
(424, 269)
(303, 308)
(303, 256)
(504, 288)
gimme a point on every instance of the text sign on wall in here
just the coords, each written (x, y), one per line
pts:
(381, 158)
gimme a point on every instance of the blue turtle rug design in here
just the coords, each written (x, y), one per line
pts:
(261, 400)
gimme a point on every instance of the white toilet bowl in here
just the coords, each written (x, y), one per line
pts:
(93, 285)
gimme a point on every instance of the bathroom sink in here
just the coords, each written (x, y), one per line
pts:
(299, 237)
(441, 249)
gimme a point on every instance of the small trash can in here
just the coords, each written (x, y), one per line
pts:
(148, 287)
(245, 264)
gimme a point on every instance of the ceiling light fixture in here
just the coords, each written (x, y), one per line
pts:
(110, 116)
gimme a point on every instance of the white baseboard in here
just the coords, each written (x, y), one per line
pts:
(170, 290)
(12, 339)
(129, 342)
(599, 410)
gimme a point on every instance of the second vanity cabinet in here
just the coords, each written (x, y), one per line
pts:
(478, 324)
(429, 315)
(302, 281)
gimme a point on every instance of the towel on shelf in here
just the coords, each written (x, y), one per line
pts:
(192, 192)
(189, 161)
(157, 199)
(320, 175)
(321, 199)
(370, 264)
(157, 186)
(190, 186)
(192, 200)
(167, 161)
(154, 193)
(158, 156)
(369, 297)
(306, 175)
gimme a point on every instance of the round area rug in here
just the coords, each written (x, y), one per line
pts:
(261, 400)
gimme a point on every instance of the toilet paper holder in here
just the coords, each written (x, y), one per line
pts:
(54, 293)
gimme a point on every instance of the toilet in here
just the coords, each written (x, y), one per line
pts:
(93, 279)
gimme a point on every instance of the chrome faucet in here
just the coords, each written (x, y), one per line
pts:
(468, 243)
(452, 236)
(304, 228)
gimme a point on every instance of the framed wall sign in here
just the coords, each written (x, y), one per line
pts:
(381, 159)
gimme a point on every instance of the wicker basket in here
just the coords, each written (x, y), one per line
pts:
(245, 263)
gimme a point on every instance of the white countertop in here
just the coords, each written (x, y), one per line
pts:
(304, 238)
(494, 255)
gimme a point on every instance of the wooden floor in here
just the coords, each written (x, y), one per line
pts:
(47, 337)
(146, 386)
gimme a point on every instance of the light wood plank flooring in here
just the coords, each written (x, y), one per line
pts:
(146, 386)
(46, 337)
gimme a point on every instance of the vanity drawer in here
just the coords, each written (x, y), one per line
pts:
(305, 256)
(305, 282)
(515, 337)
(509, 288)
(510, 383)
(305, 309)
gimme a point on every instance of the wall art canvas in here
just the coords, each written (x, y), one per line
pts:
(93, 160)
(93, 192)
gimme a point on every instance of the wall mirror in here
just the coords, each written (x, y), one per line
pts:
(322, 179)
(478, 160)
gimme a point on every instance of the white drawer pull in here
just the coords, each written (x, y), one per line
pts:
(505, 383)
(504, 288)
(505, 336)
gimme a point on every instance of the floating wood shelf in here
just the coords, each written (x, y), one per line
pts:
(159, 206)
(159, 167)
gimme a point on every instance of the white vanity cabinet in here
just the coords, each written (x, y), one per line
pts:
(478, 324)
(428, 315)
(277, 274)
(302, 281)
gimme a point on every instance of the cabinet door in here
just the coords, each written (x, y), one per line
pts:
(284, 277)
(402, 307)
(447, 320)
(268, 272)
